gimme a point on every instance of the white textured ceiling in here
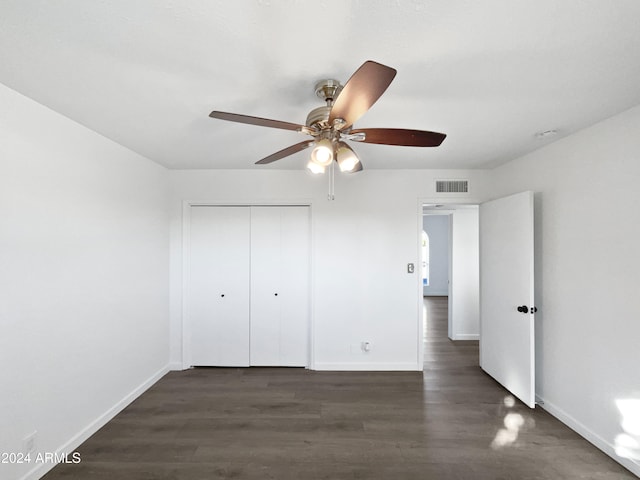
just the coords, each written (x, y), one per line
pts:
(490, 74)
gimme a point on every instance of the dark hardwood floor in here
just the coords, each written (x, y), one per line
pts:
(449, 422)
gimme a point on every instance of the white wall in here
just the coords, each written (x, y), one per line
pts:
(464, 306)
(83, 279)
(437, 228)
(588, 278)
(361, 244)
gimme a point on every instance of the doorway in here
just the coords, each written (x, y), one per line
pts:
(453, 263)
(505, 312)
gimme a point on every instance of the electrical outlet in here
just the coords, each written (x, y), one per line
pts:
(29, 443)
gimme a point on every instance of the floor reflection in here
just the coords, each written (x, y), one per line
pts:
(513, 423)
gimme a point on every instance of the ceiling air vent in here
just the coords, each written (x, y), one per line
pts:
(452, 186)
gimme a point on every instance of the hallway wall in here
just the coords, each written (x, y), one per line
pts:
(437, 228)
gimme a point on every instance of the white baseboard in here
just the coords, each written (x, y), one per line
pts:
(75, 441)
(367, 367)
(176, 367)
(588, 434)
(466, 336)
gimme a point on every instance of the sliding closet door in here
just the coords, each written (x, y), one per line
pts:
(218, 286)
(280, 258)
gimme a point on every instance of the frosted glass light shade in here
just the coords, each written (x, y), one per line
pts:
(347, 158)
(315, 168)
(322, 154)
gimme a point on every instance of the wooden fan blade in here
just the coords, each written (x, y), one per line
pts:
(400, 136)
(361, 91)
(262, 122)
(285, 152)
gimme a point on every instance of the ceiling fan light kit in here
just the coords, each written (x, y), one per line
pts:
(322, 153)
(315, 168)
(346, 157)
(331, 125)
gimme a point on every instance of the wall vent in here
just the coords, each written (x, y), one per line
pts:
(452, 186)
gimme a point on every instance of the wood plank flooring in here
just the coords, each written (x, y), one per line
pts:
(449, 422)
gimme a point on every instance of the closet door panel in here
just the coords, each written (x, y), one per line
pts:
(294, 279)
(266, 294)
(218, 286)
(279, 286)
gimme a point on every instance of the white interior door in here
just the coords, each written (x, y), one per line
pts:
(280, 256)
(218, 286)
(507, 349)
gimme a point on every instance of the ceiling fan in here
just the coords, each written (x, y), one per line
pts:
(331, 125)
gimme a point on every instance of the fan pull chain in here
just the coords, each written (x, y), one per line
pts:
(332, 182)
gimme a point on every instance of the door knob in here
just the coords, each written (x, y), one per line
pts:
(222, 295)
(523, 309)
(276, 294)
(534, 309)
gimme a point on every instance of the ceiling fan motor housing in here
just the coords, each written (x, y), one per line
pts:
(319, 116)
